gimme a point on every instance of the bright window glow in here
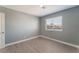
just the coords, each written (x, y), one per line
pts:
(54, 24)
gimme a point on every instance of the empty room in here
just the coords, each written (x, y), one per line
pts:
(39, 28)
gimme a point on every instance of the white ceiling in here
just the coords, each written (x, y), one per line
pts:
(36, 10)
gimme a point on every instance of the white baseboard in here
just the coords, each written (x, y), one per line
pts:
(21, 41)
(73, 45)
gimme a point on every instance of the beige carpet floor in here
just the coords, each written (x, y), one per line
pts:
(39, 45)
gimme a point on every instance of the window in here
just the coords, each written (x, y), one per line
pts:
(54, 24)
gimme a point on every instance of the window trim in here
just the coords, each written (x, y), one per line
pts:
(53, 29)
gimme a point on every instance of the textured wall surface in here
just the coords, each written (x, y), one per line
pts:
(18, 25)
(70, 21)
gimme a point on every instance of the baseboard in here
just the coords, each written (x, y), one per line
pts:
(21, 41)
(73, 45)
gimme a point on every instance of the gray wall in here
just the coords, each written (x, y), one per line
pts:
(70, 32)
(18, 25)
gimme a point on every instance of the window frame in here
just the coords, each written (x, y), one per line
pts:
(53, 29)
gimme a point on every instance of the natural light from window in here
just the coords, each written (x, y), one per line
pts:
(54, 24)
